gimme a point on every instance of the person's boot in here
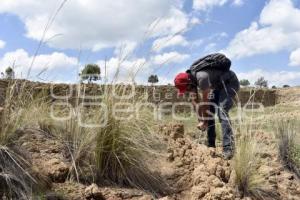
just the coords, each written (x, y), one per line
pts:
(211, 144)
(228, 152)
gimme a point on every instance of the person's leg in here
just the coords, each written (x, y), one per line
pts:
(225, 105)
(211, 129)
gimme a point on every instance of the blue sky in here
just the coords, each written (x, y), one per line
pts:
(142, 37)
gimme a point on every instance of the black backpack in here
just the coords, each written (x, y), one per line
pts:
(216, 61)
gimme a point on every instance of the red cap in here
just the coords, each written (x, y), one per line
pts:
(181, 82)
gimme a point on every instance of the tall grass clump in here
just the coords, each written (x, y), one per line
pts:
(109, 141)
(123, 143)
(17, 179)
(288, 135)
(245, 164)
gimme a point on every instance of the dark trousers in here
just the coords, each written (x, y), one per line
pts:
(222, 103)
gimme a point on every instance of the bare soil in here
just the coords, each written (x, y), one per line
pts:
(192, 170)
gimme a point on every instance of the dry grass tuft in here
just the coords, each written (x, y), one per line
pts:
(114, 150)
(122, 146)
(17, 179)
(246, 162)
(288, 145)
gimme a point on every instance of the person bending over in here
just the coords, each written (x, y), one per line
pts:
(219, 85)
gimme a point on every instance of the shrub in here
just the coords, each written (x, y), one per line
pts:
(10, 73)
(261, 82)
(153, 79)
(244, 82)
(91, 72)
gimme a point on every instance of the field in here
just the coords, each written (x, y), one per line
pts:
(51, 150)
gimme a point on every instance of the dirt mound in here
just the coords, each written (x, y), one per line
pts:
(284, 182)
(199, 171)
(47, 154)
(288, 95)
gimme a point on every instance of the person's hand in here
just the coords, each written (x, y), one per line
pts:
(202, 125)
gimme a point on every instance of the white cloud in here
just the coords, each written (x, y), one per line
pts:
(238, 2)
(125, 49)
(274, 77)
(168, 41)
(174, 22)
(295, 58)
(171, 57)
(211, 47)
(207, 4)
(21, 61)
(278, 29)
(2, 44)
(125, 70)
(195, 21)
(94, 25)
(197, 43)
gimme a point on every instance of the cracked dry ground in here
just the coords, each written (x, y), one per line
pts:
(191, 169)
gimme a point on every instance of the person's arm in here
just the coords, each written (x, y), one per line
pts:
(201, 110)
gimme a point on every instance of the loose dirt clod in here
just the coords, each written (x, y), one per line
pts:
(93, 192)
(200, 172)
(47, 154)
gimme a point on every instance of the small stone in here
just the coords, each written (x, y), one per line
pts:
(177, 131)
(165, 198)
(288, 176)
(170, 157)
(53, 196)
(216, 182)
(199, 192)
(93, 192)
(57, 170)
(179, 163)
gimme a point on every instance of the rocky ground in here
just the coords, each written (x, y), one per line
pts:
(191, 169)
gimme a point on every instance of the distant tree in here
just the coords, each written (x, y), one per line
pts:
(9, 73)
(274, 87)
(261, 82)
(90, 72)
(153, 79)
(285, 86)
(244, 82)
